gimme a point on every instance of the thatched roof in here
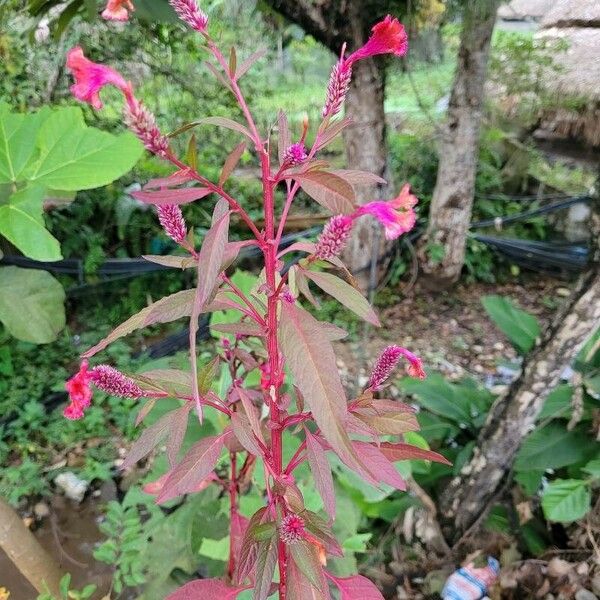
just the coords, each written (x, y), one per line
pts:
(525, 10)
(579, 73)
(573, 13)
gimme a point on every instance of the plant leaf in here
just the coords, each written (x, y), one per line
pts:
(31, 304)
(207, 589)
(306, 559)
(357, 587)
(566, 500)
(344, 293)
(311, 360)
(300, 588)
(209, 267)
(521, 328)
(329, 190)
(321, 470)
(377, 463)
(231, 162)
(165, 310)
(172, 196)
(265, 567)
(401, 451)
(247, 64)
(195, 466)
(243, 433)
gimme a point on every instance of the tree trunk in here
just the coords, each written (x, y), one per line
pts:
(469, 496)
(450, 212)
(23, 549)
(366, 149)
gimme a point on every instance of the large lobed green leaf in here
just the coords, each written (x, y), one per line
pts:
(31, 304)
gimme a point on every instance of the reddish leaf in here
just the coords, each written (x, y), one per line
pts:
(300, 588)
(227, 123)
(284, 140)
(400, 451)
(177, 432)
(231, 162)
(356, 587)
(333, 332)
(165, 310)
(299, 278)
(175, 262)
(209, 268)
(266, 560)
(332, 131)
(170, 381)
(345, 294)
(251, 412)
(249, 547)
(388, 423)
(168, 196)
(243, 433)
(329, 190)
(150, 438)
(306, 558)
(359, 178)
(206, 589)
(195, 466)
(311, 360)
(247, 64)
(377, 463)
(321, 530)
(178, 178)
(143, 412)
(321, 470)
(241, 327)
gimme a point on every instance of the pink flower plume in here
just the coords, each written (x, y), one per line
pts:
(387, 37)
(397, 216)
(387, 362)
(80, 393)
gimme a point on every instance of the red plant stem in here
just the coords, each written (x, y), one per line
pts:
(270, 254)
(232, 511)
(205, 402)
(296, 459)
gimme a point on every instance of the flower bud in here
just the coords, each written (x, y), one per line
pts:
(387, 362)
(142, 122)
(337, 88)
(291, 529)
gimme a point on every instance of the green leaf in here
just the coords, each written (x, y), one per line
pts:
(75, 157)
(552, 447)
(558, 404)
(521, 328)
(593, 468)
(566, 500)
(306, 559)
(438, 395)
(17, 135)
(31, 304)
(21, 223)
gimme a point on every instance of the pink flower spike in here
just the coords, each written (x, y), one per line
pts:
(189, 12)
(142, 122)
(91, 77)
(117, 10)
(171, 219)
(337, 88)
(80, 393)
(291, 529)
(334, 237)
(113, 382)
(387, 37)
(397, 216)
(386, 363)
